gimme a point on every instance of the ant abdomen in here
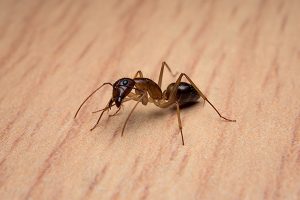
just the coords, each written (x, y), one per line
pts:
(185, 94)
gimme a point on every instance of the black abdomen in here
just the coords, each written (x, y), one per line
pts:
(186, 93)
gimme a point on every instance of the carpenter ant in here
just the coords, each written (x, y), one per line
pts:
(145, 90)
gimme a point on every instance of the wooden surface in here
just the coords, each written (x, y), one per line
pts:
(244, 55)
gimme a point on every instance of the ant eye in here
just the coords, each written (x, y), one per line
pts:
(124, 82)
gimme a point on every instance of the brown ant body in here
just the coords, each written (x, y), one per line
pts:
(145, 90)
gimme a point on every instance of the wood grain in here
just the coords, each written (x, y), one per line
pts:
(244, 55)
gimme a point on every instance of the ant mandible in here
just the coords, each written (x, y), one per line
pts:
(146, 90)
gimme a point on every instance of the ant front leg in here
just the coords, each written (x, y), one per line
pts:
(115, 112)
(125, 100)
(103, 110)
(162, 72)
(138, 101)
(173, 94)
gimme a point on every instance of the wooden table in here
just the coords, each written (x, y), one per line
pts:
(244, 55)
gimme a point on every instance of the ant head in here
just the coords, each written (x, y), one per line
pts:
(121, 88)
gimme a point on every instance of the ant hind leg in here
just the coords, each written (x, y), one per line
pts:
(179, 122)
(173, 94)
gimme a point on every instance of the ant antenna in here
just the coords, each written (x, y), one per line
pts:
(90, 96)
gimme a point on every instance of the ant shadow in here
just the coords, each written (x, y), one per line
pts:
(163, 111)
(187, 106)
(160, 113)
(144, 117)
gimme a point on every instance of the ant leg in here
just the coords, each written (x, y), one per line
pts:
(96, 111)
(132, 97)
(99, 119)
(138, 101)
(173, 94)
(103, 110)
(115, 112)
(162, 72)
(125, 100)
(179, 121)
(138, 74)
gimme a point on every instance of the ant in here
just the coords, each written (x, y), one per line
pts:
(146, 90)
